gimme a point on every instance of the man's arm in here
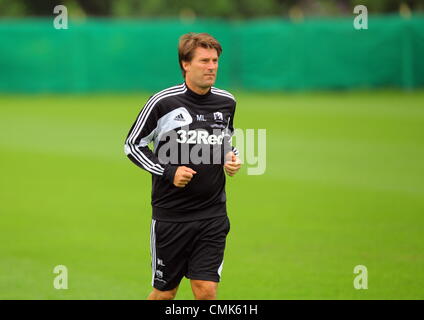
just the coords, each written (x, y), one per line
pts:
(232, 162)
(140, 135)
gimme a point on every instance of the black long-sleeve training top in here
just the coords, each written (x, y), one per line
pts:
(186, 129)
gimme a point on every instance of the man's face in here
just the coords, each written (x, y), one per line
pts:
(201, 70)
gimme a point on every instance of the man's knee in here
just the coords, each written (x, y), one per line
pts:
(162, 295)
(204, 290)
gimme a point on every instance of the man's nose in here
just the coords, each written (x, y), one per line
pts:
(211, 65)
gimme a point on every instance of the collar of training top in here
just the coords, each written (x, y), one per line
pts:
(196, 95)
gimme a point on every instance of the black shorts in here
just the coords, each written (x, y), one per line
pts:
(193, 249)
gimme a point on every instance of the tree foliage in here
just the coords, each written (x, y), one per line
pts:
(231, 9)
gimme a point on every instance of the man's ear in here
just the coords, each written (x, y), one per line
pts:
(186, 65)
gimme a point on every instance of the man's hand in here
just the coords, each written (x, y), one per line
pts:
(183, 176)
(232, 164)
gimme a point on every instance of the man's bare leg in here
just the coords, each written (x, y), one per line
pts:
(162, 295)
(204, 290)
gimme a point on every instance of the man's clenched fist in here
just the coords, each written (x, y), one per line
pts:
(232, 164)
(183, 176)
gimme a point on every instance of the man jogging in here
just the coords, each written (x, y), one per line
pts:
(190, 126)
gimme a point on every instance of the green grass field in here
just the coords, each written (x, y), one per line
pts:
(344, 186)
